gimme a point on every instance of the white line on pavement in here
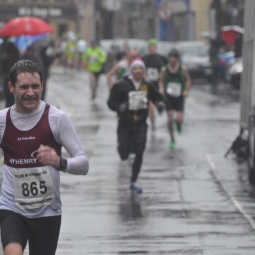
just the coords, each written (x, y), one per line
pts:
(232, 197)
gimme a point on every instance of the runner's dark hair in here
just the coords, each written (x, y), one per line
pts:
(174, 53)
(24, 66)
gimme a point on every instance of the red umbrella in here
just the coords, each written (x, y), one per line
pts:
(229, 34)
(25, 26)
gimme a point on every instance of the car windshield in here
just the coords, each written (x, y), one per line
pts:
(194, 50)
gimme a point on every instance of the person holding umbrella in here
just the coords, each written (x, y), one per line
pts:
(9, 56)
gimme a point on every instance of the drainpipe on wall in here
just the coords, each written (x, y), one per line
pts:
(160, 23)
(188, 20)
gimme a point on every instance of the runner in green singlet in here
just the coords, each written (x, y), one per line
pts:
(174, 84)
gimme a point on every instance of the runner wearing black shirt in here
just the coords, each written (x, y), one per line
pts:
(153, 62)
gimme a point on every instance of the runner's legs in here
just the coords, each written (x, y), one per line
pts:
(139, 137)
(152, 115)
(94, 78)
(42, 233)
(179, 121)
(170, 115)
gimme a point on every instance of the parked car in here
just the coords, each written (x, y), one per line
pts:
(195, 56)
(164, 48)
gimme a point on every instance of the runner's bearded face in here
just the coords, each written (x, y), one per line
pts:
(138, 72)
(173, 62)
(27, 92)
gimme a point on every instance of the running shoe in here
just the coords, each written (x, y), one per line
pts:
(135, 188)
(171, 145)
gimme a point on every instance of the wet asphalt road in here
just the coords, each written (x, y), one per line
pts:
(184, 208)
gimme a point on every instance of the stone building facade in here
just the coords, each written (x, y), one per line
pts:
(61, 14)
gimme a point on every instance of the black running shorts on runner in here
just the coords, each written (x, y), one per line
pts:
(97, 74)
(42, 233)
(174, 104)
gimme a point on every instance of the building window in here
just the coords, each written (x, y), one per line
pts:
(151, 28)
(62, 28)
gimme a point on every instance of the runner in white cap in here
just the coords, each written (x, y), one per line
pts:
(130, 99)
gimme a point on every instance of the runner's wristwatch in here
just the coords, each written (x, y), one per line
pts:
(62, 164)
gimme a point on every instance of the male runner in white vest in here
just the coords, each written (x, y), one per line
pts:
(31, 136)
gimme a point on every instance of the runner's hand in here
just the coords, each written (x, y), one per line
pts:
(123, 107)
(185, 93)
(48, 156)
(161, 91)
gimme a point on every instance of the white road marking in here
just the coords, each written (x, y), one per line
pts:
(231, 196)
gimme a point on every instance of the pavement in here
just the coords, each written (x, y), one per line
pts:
(194, 201)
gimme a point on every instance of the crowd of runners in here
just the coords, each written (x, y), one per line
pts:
(143, 84)
(32, 134)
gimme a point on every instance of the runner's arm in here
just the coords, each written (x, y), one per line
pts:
(66, 135)
(161, 80)
(2, 124)
(154, 95)
(116, 98)
(187, 76)
(102, 56)
(111, 73)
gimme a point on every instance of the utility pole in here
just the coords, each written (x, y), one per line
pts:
(216, 8)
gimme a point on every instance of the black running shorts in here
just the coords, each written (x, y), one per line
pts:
(42, 233)
(97, 74)
(174, 104)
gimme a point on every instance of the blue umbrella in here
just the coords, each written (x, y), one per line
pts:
(24, 41)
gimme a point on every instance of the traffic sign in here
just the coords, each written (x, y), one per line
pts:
(165, 12)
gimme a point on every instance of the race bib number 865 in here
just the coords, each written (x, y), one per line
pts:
(33, 188)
